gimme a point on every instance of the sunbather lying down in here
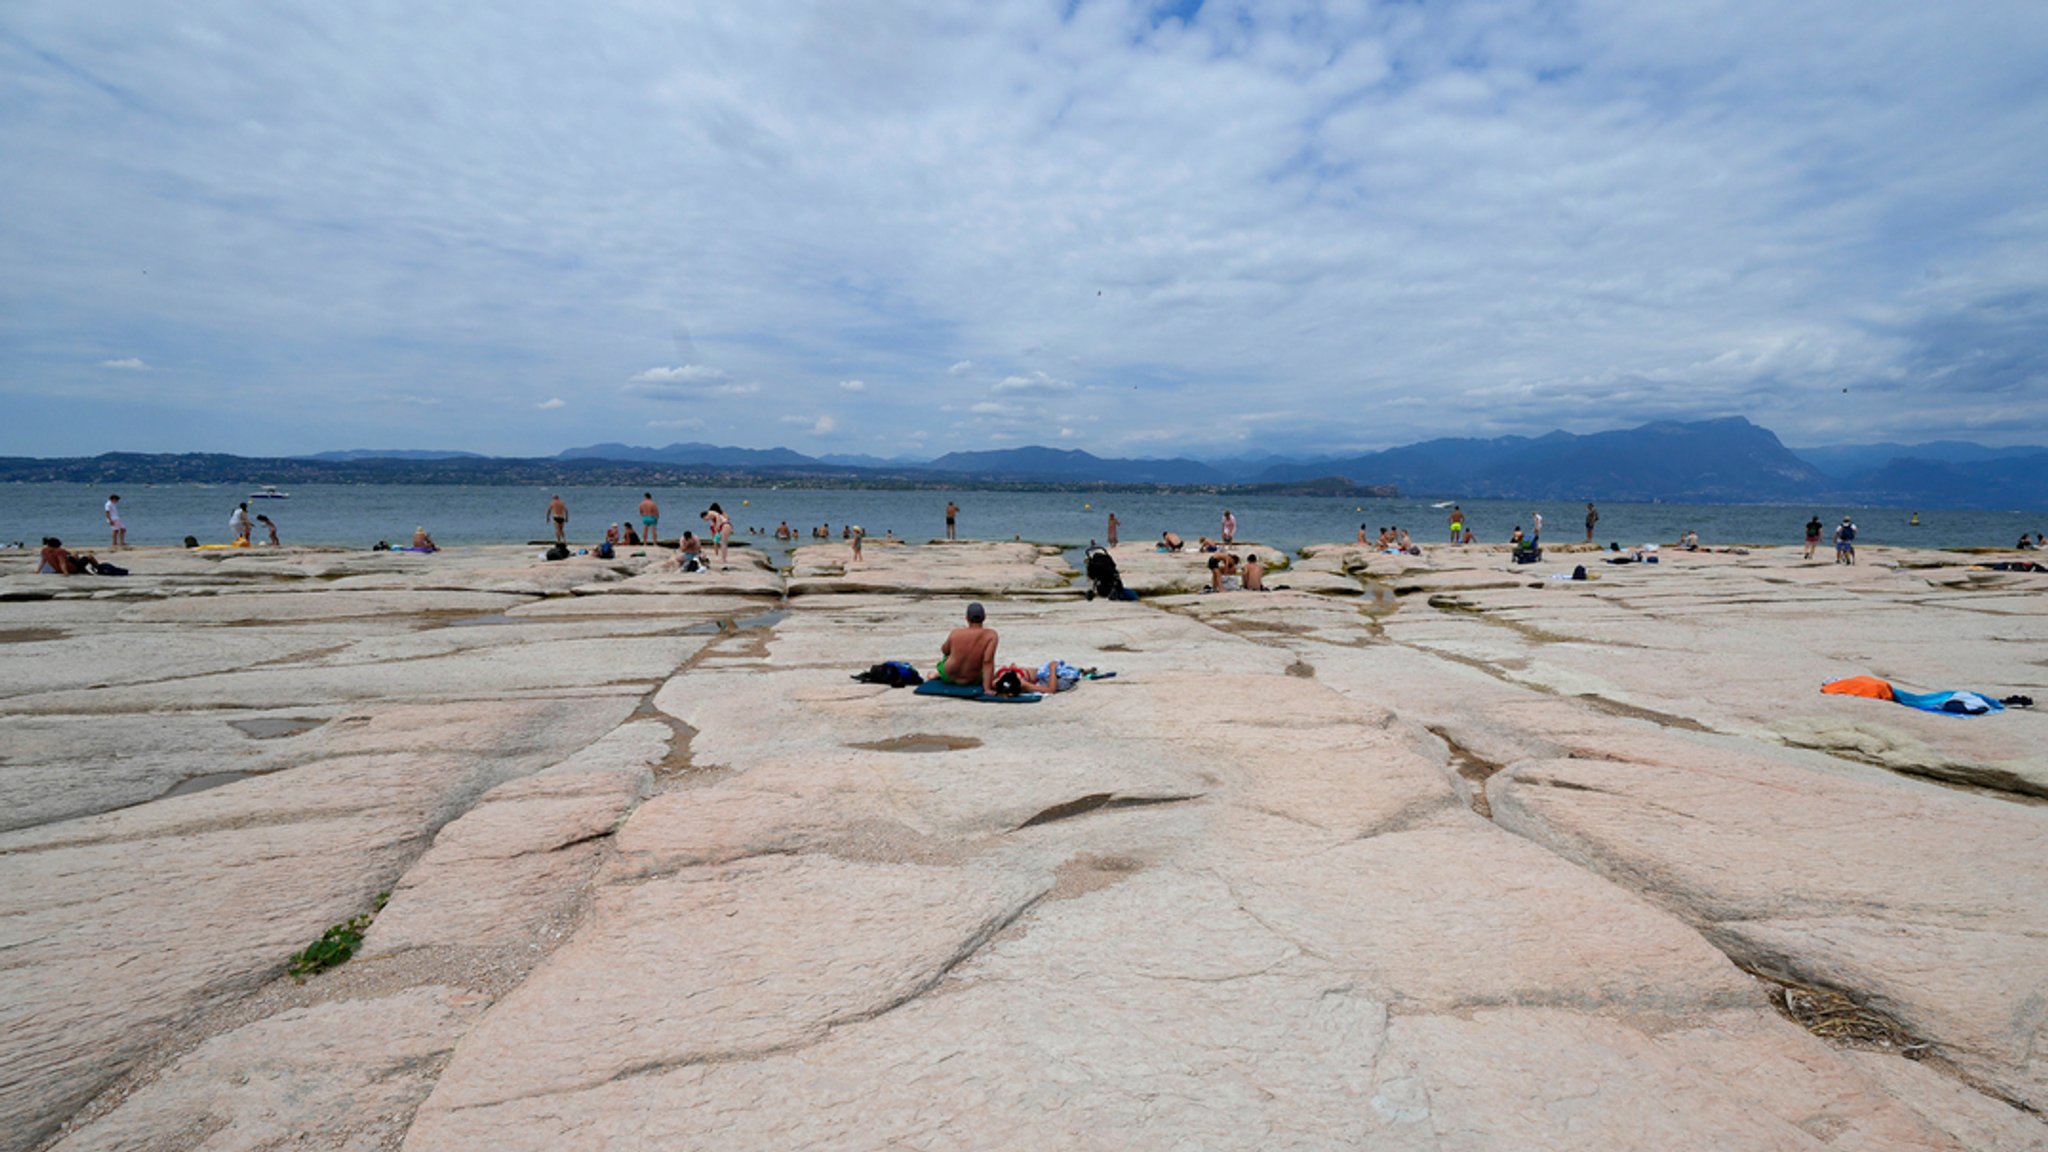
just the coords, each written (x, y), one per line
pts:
(1051, 676)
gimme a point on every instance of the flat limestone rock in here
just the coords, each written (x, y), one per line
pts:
(967, 568)
(823, 943)
(117, 929)
(521, 856)
(1245, 894)
(344, 1074)
(1847, 884)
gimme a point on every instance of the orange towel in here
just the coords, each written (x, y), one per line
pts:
(1869, 686)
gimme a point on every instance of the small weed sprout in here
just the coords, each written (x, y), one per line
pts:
(337, 944)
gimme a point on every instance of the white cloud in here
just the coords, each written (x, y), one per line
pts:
(816, 425)
(685, 422)
(680, 385)
(853, 385)
(1035, 382)
(128, 362)
(551, 405)
(681, 374)
(961, 369)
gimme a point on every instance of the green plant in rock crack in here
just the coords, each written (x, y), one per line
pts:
(337, 944)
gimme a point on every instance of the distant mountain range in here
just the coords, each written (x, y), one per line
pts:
(1706, 461)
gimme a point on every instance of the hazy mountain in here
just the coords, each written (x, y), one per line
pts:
(1729, 460)
(692, 454)
(2002, 482)
(394, 454)
(893, 463)
(1072, 465)
(1844, 460)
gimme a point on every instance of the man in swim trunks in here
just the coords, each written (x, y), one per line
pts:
(1457, 524)
(952, 510)
(650, 516)
(1592, 518)
(1845, 542)
(969, 654)
(558, 514)
(120, 529)
(1169, 542)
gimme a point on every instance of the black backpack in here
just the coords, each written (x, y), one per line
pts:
(894, 673)
(558, 552)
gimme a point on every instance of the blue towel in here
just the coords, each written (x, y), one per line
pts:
(1949, 703)
(972, 692)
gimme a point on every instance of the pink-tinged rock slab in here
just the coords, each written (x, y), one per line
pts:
(760, 956)
(522, 857)
(976, 568)
(1855, 884)
(346, 1074)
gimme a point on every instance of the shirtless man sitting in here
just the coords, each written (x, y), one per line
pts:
(969, 654)
(1254, 574)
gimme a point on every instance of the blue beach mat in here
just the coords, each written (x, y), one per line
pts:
(973, 692)
(1951, 703)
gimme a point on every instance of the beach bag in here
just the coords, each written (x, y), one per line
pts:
(894, 673)
(558, 552)
(604, 550)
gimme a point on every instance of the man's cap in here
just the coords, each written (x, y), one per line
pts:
(976, 612)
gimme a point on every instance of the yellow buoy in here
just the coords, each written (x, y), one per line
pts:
(1087, 507)
(744, 503)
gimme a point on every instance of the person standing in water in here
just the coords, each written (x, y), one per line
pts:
(952, 510)
(650, 518)
(721, 528)
(115, 523)
(1229, 526)
(1113, 523)
(1592, 519)
(558, 515)
(1457, 524)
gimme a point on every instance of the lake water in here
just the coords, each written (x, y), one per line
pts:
(360, 515)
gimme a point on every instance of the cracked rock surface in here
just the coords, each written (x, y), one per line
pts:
(1409, 854)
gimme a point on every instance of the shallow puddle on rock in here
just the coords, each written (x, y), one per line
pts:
(768, 619)
(273, 727)
(1380, 598)
(205, 783)
(921, 742)
(488, 618)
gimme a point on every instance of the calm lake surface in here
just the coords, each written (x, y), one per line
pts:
(360, 515)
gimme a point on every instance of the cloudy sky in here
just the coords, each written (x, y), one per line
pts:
(904, 228)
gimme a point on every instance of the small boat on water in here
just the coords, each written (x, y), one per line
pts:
(269, 492)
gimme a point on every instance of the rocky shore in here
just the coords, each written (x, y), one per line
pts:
(1411, 852)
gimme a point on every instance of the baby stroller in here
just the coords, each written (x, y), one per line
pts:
(1103, 578)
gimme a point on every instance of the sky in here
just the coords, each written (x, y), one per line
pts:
(904, 228)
